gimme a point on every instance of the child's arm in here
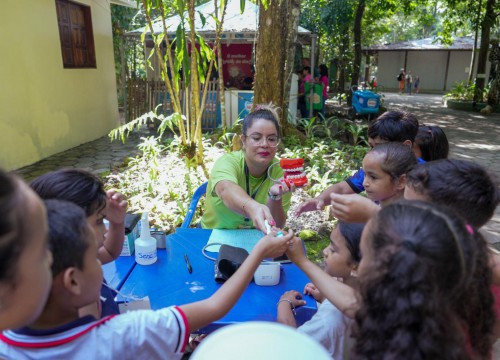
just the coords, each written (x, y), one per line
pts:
(286, 307)
(339, 294)
(116, 208)
(204, 312)
(323, 199)
(352, 208)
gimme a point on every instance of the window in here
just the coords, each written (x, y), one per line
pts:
(75, 32)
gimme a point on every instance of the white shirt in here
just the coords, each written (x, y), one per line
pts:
(142, 334)
(328, 326)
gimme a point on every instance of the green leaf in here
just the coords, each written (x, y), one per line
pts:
(203, 19)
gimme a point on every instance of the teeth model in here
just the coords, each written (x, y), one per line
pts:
(294, 171)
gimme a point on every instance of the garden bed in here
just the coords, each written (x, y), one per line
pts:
(464, 105)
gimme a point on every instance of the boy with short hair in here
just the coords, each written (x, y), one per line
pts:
(77, 277)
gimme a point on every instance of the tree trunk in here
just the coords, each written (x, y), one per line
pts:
(474, 46)
(486, 24)
(293, 17)
(357, 42)
(270, 57)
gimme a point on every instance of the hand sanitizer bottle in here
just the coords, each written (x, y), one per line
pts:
(145, 245)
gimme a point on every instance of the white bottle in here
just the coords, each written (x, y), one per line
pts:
(145, 245)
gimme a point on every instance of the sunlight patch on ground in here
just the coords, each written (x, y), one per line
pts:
(488, 147)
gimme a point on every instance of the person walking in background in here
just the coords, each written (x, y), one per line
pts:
(401, 79)
(323, 79)
(416, 85)
(409, 82)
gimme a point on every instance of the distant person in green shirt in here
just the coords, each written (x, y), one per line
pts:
(240, 192)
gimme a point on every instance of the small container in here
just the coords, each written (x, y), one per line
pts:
(267, 274)
(160, 238)
(145, 245)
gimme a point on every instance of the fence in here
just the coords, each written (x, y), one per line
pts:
(148, 95)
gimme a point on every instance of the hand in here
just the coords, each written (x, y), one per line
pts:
(294, 296)
(295, 251)
(259, 213)
(116, 207)
(312, 290)
(352, 208)
(272, 246)
(282, 187)
(313, 204)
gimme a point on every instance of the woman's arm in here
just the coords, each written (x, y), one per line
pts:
(236, 199)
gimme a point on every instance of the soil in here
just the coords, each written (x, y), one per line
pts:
(317, 221)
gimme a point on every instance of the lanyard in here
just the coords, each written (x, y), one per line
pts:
(247, 183)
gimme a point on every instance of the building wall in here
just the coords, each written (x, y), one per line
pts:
(429, 65)
(44, 108)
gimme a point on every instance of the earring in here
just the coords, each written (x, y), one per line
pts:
(354, 273)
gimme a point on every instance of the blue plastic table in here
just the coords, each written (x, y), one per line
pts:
(168, 282)
(116, 272)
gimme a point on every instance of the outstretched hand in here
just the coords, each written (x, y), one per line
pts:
(295, 251)
(273, 246)
(294, 296)
(313, 204)
(352, 208)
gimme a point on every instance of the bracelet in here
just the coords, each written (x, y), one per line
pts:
(273, 197)
(291, 305)
(245, 204)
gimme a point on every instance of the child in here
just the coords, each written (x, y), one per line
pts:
(414, 274)
(328, 326)
(25, 259)
(417, 84)
(77, 276)
(391, 126)
(87, 191)
(431, 143)
(385, 168)
(468, 189)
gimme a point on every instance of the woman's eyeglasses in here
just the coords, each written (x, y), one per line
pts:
(258, 140)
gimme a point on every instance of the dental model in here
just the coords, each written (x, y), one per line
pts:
(293, 172)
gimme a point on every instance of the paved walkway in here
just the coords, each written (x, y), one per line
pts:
(471, 136)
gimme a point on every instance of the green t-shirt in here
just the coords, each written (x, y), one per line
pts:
(232, 167)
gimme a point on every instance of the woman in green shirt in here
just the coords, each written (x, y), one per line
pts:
(240, 192)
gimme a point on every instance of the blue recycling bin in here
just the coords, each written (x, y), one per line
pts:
(365, 102)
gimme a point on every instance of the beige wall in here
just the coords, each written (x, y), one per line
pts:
(44, 108)
(429, 65)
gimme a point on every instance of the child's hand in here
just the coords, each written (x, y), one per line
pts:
(294, 296)
(295, 251)
(273, 246)
(312, 290)
(116, 207)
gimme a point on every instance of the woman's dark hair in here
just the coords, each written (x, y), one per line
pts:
(75, 185)
(262, 111)
(416, 294)
(352, 235)
(394, 126)
(463, 185)
(398, 158)
(13, 237)
(68, 234)
(323, 70)
(432, 142)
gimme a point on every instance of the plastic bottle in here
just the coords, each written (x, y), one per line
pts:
(145, 245)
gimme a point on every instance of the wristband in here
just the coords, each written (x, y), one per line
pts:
(273, 197)
(291, 305)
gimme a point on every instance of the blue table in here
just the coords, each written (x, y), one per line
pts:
(168, 282)
(116, 272)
